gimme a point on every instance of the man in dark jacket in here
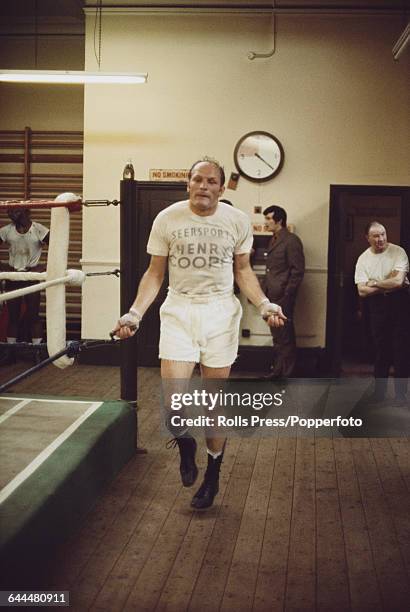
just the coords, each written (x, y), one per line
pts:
(285, 267)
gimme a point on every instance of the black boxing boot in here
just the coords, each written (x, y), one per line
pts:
(187, 451)
(204, 497)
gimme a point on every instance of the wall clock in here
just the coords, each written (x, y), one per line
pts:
(258, 156)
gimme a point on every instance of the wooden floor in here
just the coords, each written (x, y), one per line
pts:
(299, 524)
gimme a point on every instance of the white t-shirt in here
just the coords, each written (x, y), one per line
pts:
(200, 249)
(378, 266)
(24, 249)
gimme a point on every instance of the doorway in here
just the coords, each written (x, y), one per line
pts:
(152, 197)
(352, 207)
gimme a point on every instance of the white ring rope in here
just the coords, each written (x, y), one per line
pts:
(73, 277)
(23, 276)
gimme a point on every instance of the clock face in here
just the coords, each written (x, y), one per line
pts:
(258, 156)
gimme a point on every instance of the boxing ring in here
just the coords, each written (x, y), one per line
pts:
(56, 453)
(53, 476)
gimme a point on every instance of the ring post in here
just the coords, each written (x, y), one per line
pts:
(128, 284)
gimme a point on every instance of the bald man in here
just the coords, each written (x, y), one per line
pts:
(204, 244)
(381, 279)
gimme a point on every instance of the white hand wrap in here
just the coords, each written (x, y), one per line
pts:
(131, 319)
(267, 308)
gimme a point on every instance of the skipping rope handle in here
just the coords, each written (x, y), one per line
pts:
(131, 319)
(268, 309)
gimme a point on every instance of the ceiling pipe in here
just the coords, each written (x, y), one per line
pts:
(163, 8)
(253, 54)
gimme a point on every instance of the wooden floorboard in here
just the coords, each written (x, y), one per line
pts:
(298, 524)
(362, 581)
(219, 549)
(331, 568)
(388, 561)
(401, 452)
(273, 565)
(396, 494)
(162, 512)
(121, 551)
(241, 583)
(301, 574)
(177, 589)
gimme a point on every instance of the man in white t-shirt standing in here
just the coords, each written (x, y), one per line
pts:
(197, 240)
(25, 239)
(381, 278)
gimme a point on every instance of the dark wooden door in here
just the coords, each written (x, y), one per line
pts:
(152, 197)
(352, 207)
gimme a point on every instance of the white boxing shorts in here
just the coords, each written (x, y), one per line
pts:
(202, 329)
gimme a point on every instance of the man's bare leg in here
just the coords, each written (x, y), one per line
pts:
(215, 444)
(204, 497)
(176, 369)
(175, 376)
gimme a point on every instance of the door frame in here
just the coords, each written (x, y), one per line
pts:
(335, 271)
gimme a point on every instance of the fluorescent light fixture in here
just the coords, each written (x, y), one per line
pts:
(402, 42)
(71, 76)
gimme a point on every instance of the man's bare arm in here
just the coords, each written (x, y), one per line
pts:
(148, 289)
(246, 279)
(365, 291)
(247, 282)
(396, 280)
(150, 283)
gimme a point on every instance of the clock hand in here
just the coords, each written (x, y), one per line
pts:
(264, 160)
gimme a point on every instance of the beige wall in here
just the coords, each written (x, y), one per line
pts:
(331, 93)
